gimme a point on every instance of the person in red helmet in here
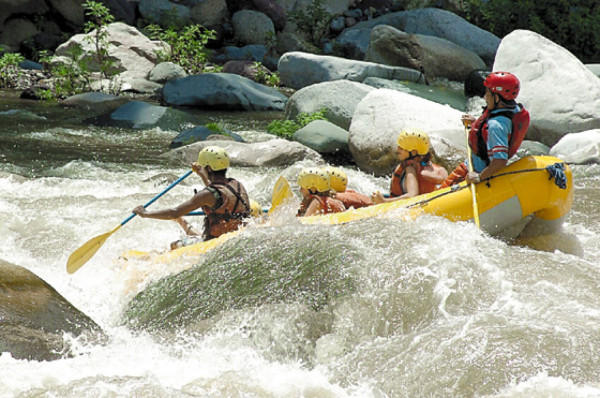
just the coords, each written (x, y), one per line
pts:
(497, 134)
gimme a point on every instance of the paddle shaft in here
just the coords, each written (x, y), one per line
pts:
(473, 192)
(183, 177)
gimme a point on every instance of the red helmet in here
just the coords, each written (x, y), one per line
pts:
(503, 83)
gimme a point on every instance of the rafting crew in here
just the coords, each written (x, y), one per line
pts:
(338, 181)
(224, 200)
(317, 197)
(497, 134)
(416, 174)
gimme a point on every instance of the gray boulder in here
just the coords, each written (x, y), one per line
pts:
(201, 133)
(34, 317)
(578, 148)
(276, 152)
(442, 94)
(141, 115)
(298, 70)
(222, 90)
(438, 58)
(380, 117)
(164, 11)
(97, 101)
(339, 97)
(166, 71)
(561, 94)
(324, 137)
(252, 27)
(437, 23)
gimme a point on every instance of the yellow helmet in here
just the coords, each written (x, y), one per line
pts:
(314, 179)
(337, 178)
(215, 157)
(414, 139)
(255, 209)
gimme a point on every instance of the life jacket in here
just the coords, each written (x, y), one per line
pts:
(231, 213)
(328, 205)
(426, 185)
(354, 199)
(478, 134)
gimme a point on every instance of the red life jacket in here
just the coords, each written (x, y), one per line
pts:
(230, 214)
(328, 205)
(425, 185)
(478, 134)
(354, 199)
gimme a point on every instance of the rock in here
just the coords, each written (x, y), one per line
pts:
(339, 97)
(34, 316)
(380, 117)
(164, 11)
(141, 115)
(298, 70)
(210, 13)
(201, 133)
(273, 10)
(97, 101)
(252, 27)
(532, 148)
(560, 93)
(474, 83)
(276, 152)
(222, 91)
(445, 95)
(324, 137)
(578, 148)
(166, 71)
(436, 57)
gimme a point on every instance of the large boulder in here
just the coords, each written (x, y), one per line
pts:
(276, 152)
(437, 58)
(578, 148)
(252, 27)
(298, 70)
(324, 137)
(34, 317)
(141, 115)
(222, 91)
(438, 23)
(339, 97)
(380, 117)
(96, 101)
(561, 94)
(165, 12)
(130, 51)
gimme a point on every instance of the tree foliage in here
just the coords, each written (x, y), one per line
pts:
(569, 23)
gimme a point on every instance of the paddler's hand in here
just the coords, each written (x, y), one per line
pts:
(377, 198)
(473, 178)
(140, 211)
(200, 170)
(467, 120)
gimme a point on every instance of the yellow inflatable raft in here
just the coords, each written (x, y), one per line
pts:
(538, 187)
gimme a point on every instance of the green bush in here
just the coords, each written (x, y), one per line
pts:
(187, 45)
(287, 128)
(9, 68)
(313, 22)
(569, 23)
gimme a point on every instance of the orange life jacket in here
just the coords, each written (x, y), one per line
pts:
(328, 205)
(478, 134)
(232, 212)
(426, 185)
(354, 199)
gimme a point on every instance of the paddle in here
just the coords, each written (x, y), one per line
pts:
(473, 192)
(281, 192)
(81, 256)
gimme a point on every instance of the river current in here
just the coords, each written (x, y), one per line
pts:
(433, 309)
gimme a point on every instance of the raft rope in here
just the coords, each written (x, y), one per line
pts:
(556, 170)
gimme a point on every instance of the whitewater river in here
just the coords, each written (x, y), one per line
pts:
(375, 308)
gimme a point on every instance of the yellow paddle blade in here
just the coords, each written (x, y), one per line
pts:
(281, 192)
(85, 252)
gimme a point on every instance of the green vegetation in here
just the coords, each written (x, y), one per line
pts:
(267, 78)
(187, 45)
(287, 128)
(569, 23)
(9, 68)
(99, 17)
(313, 22)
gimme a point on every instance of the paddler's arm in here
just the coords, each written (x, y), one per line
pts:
(202, 198)
(412, 188)
(494, 166)
(201, 171)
